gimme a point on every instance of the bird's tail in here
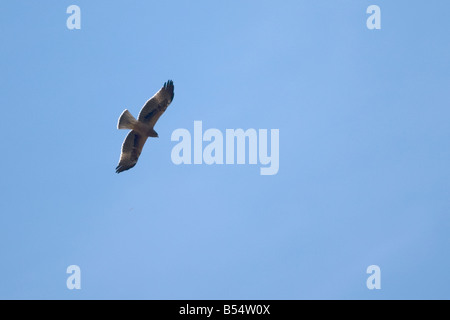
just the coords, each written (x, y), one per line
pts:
(126, 120)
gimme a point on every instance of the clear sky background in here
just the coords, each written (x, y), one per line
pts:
(364, 172)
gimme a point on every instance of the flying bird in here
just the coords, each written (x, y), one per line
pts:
(142, 128)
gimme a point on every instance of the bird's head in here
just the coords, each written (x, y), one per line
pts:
(153, 134)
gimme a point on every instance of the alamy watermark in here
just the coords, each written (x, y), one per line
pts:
(374, 20)
(74, 20)
(374, 280)
(74, 280)
(235, 140)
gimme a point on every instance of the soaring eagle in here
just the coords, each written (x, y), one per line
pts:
(142, 128)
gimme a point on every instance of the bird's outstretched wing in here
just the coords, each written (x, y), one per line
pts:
(131, 150)
(156, 105)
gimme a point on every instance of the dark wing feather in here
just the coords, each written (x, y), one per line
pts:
(155, 107)
(131, 150)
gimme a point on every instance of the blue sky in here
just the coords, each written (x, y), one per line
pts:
(364, 172)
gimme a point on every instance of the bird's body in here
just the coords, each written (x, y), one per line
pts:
(142, 128)
(145, 129)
